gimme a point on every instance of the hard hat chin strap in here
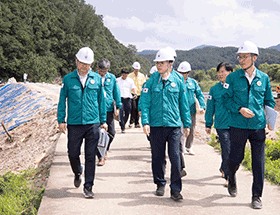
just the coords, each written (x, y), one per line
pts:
(161, 74)
(250, 65)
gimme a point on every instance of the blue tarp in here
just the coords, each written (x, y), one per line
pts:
(19, 104)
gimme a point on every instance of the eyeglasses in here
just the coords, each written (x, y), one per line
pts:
(243, 57)
(103, 70)
(83, 64)
(160, 62)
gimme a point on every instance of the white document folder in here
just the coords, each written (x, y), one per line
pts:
(271, 116)
(103, 142)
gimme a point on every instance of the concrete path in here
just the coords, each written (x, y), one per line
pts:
(125, 185)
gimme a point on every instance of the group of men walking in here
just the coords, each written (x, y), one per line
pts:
(167, 104)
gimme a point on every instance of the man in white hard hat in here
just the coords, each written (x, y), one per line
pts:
(139, 79)
(86, 113)
(163, 109)
(248, 90)
(193, 91)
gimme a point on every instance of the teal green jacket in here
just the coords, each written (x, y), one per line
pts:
(240, 94)
(173, 72)
(216, 107)
(179, 76)
(112, 92)
(84, 106)
(164, 107)
(192, 90)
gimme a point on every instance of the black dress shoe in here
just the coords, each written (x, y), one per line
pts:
(232, 189)
(176, 196)
(77, 181)
(160, 190)
(256, 202)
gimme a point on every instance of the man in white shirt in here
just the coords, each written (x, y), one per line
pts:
(126, 85)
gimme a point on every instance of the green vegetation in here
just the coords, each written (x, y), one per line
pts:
(214, 142)
(274, 85)
(209, 57)
(272, 162)
(272, 156)
(20, 193)
(206, 85)
(204, 62)
(41, 38)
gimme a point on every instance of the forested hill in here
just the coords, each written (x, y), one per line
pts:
(209, 57)
(41, 37)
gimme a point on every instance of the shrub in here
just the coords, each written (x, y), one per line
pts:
(215, 142)
(17, 193)
(272, 156)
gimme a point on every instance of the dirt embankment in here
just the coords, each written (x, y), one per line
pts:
(33, 142)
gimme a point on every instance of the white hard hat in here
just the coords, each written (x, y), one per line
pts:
(172, 51)
(164, 55)
(248, 47)
(136, 65)
(184, 67)
(85, 55)
(153, 69)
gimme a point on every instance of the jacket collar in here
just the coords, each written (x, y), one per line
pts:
(106, 76)
(171, 77)
(75, 73)
(242, 73)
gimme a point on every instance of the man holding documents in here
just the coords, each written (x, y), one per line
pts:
(248, 91)
(111, 92)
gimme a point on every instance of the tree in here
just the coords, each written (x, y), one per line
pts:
(42, 37)
(209, 57)
(213, 74)
(199, 75)
(264, 67)
(273, 70)
(132, 49)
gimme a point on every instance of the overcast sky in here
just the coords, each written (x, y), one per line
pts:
(185, 24)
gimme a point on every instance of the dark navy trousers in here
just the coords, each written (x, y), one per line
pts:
(76, 134)
(134, 117)
(238, 138)
(159, 136)
(125, 111)
(224, 139)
